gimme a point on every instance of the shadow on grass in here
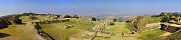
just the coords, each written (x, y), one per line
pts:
(21, 23)
(2, 35)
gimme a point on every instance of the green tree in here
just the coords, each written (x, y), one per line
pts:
(18, 21)
(111, 23)
(94, 19)
(75, 16)
(66, 16)
(114, 20)
(165, 19)
(58, 15)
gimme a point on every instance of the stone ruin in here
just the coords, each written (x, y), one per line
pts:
(52, 21)
(98, 31)
(41, 32)
(68, 26)
(4, 23)
(102, 30)
(85, 20)
(172, 26)
(32, 17)
(169, 28)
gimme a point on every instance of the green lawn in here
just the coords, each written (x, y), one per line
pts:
(57, 31)
(19, 32)
(117, 28)
(150, 35)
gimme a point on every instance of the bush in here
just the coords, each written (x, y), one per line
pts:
(75, 16)
(165, 19)
(111, 23)
(58, 15)
(66, 16)
(114, 20)
(94, 19)
(18, 21)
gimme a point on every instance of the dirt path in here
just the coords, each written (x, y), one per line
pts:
(30, 28)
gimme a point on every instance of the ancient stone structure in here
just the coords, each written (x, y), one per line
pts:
(52, 21)
(4, 23)
(68, 26)
(85, 20)
(32, 17)
(174, 36)
(169, 28)
(98, 31)
(41, 32)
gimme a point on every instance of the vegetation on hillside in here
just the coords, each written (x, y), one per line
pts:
(150, 35)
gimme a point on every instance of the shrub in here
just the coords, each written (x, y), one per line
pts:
(114, 20)
(18, 21)
(66, 16)
(165, 19)
(94, 19)
(58, 15)
(75, 16)
(111, 23)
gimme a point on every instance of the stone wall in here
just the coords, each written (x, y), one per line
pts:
(85, 20)
(4, 23)
(169, 28)
(52, 21)
(175, 36)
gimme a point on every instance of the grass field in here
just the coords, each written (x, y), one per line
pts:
(57, 31)
(24, 31)
(150, 35)
(116, 29)
(20, 32)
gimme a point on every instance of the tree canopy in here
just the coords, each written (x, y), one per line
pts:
(75, 16)
(165, 19)
(94, 19)
(66, 16)
(18, 21)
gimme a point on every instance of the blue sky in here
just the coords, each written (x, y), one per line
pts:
(90, 7)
